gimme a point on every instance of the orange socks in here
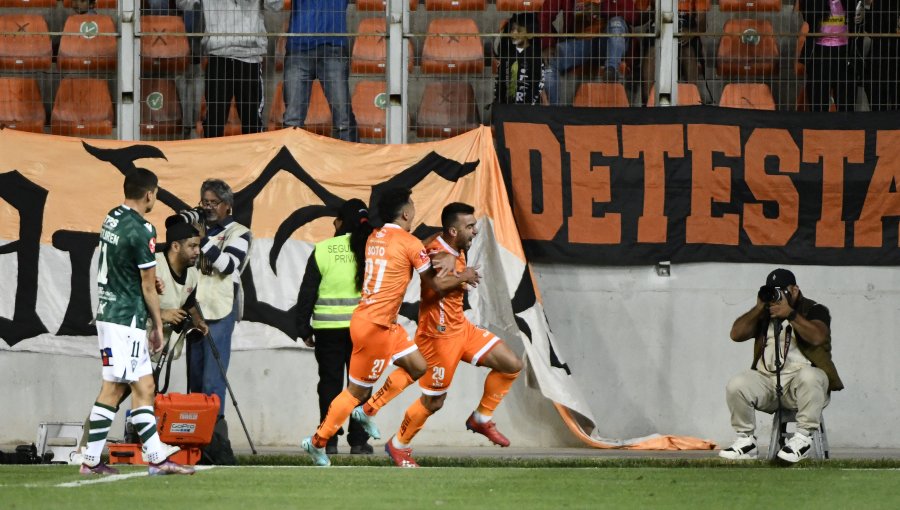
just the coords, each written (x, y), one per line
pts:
(413, 421)
(394, 385)
(338, 412)
(496, 386)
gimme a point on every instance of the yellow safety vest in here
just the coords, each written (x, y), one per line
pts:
(338, 296)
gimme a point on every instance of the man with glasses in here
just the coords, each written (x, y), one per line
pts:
(224, 249)
(802, 355)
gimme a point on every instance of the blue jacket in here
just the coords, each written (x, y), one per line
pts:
(317, 17)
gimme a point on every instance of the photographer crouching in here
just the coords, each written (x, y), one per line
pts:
(791, 367)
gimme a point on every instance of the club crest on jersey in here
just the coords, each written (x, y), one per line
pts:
(106, 356)
(152, 245)
(149, 227)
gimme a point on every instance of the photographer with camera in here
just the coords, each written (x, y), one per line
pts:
(791, 368)
(225, 244)
(179, 280)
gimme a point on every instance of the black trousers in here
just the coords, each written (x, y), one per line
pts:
(333, 349)
(227, 78)
(828, 74)
(883, 74)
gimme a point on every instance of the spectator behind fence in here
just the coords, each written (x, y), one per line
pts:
(563, 55)
(520, 77)
(792, 347)
(235, 61)
(324, 57)
(828, 71)
(882, 76)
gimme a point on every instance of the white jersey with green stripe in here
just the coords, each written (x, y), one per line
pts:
(127, 245)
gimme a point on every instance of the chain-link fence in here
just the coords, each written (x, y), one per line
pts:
(205, 68)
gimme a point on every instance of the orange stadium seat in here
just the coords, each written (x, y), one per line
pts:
(101, 4)
(378, 5)
(601, 94)
(749, 5)
(454, 5)
(688, 95)
(800, 67)
(752, 96)
(21, 106)
(452, 53)
(163, 54)
(519, 5)
(369, 54)
(747, 48)
(84, 50)
(318, 116)
(280, 53)
(232, 124)
(83, 107)
(33, 4)
(24, 52)
(369, 100)
(447, 109)
(693, 5)
(160, 108)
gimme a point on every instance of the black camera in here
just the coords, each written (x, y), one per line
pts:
(771, 294)
(193, 333)
(195, 216)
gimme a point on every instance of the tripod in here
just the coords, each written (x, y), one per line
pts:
(215, 353)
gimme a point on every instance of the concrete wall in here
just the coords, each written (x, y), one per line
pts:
(651, 354)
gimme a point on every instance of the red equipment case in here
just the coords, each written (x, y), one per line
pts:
(186, 420)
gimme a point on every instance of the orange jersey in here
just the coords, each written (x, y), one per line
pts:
(443, 316)
(391, 254)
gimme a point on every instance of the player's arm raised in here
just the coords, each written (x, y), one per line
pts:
(151, 298)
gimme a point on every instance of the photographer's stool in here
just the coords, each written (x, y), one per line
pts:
(61, 438)
(780, 434)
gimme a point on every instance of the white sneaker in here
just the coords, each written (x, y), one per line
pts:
(744, 448)
(165, 451)
(796, 448)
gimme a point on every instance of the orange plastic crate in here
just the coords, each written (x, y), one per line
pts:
(130, 453)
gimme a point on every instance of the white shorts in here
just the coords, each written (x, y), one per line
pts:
(123, 352)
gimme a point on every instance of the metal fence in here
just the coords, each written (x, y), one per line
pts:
(403, 71)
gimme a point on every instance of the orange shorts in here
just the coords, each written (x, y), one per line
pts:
(444, 354)
(374, 346)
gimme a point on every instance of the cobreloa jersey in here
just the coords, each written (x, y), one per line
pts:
(127, 243)
(442, 316)
(391, 254)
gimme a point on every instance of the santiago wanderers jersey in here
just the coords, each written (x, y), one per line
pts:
(127, 243)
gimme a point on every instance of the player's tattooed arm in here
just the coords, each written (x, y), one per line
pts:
(151, 299)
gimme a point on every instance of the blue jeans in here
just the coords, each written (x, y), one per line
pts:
(571, 53)
(204, 374)
(331, 65)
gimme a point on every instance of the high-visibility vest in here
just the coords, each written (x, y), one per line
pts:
(338, 296)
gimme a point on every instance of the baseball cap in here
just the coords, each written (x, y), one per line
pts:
(781, 278)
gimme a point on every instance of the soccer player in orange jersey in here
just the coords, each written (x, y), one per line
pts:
(391, 253)
(445, 337)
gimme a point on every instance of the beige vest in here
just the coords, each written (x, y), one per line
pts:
(174, 296)
(217, 293)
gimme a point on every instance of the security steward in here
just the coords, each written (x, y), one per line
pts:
(328, 296)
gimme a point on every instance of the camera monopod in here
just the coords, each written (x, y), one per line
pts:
(779, 363)
(215, 353)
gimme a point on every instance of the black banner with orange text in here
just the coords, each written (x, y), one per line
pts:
(614, 186)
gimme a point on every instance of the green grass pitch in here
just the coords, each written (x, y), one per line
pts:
(467, 483)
